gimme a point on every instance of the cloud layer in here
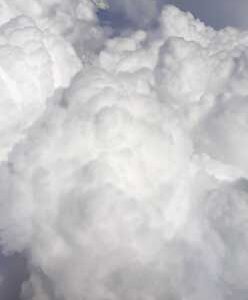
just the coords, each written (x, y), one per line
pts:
(124, 171)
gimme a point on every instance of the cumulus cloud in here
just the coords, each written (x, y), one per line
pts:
(33, 64)
(62, 17)
(125, 175)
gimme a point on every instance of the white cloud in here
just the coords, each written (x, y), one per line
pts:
(33, 64)
(132, 183)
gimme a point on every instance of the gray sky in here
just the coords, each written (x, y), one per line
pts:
(12, 272)
(216, 13)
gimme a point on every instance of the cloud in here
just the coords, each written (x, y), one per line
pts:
(130, 181)
(33, 64)
(61, 17)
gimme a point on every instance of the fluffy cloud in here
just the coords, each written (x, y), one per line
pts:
(33, 64)
(132, 183)
(62, 17)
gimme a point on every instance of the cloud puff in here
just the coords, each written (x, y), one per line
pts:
(132, 183)
(33, 64)
(62, 17)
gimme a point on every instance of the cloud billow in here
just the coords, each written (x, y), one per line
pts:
(125, 172)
